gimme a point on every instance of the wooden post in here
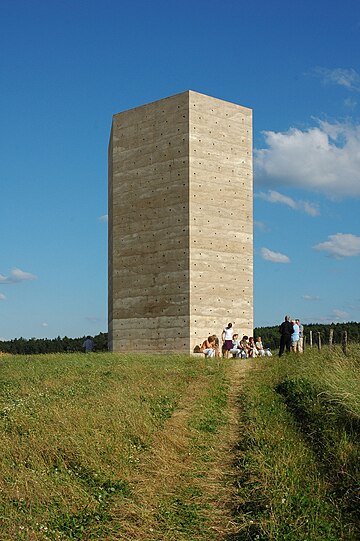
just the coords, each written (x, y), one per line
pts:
(319, 341)
(331, 338)
(311, 342)
(344, 342)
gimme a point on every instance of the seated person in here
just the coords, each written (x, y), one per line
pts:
(208, 347)
(259, 346)
(262, 351)
(244, 343)
(235, 350)
(216, 346)
(253, 352)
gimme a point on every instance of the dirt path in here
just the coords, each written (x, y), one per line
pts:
(223, 474)
(172, 483)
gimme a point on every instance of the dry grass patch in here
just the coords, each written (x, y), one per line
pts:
(113, 447)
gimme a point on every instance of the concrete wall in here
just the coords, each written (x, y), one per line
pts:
(221, 217)
(180, 223)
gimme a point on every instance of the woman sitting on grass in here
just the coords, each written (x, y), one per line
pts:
(237, 350)
(244, 343)
(216, 346)
(253, 352)
(208, 347)
(263, 352)
(235, 343)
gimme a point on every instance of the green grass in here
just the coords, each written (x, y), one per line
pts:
(79, 440)
(298, 454)
(110, 447)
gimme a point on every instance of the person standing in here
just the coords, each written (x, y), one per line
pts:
(295, 337)
(301, 336)
(88, 344)
(286, 329)
(226, 337)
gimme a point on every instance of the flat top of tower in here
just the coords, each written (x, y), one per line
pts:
(186, 92)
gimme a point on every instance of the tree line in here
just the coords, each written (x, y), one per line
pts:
(271, 336)
(24, 346)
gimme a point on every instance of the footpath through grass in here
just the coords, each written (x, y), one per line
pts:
(164, 448)
(106, 446)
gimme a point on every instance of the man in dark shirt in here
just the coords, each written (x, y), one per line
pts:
(286, 329)
(88, 344)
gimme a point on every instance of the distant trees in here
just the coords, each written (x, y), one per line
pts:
(31, 346)
(271, 337)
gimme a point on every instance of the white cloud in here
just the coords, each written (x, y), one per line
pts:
(104, 218)
(348, 78)
(17, 275)
(350, 103)
(311, 297)
(274, 257)
(275, 197)
(260, 225)
(340, 314)
(340, 245)
(44, 324)
(92, 319)
(2, 297)
(324, 158)
(309, 208)
(336, 316)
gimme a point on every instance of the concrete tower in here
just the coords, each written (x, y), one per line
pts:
(180, 223)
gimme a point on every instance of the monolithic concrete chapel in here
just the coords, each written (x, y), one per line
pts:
(180, 223)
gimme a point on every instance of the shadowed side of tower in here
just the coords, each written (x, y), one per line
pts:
(180, 223)
(149, 228)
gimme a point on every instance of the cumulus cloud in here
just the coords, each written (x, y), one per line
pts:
(275, 197)
(104, 218)
(348, 78)
(274, 257)
(311, 298)
(2, 297)
(44, 324)
(340, 245)
(324, 158)
(16, 276)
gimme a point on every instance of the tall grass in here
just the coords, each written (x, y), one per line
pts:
(138, 447)
(105, 446)
(298, 454)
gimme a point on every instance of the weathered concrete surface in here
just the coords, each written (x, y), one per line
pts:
(180, 223)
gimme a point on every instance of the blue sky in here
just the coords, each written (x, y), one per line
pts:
(66, 66)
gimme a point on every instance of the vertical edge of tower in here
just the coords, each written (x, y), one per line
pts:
(110, 241)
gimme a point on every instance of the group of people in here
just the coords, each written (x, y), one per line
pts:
(231, 345)
(292, 336)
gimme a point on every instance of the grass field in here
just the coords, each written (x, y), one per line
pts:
(134, 447)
